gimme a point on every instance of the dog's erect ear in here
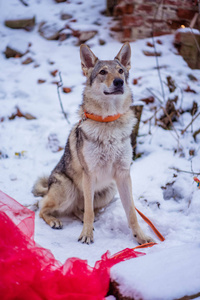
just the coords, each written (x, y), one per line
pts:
(88, 59)
(124, 56)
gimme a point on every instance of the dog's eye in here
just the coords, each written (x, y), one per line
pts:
(102, 72)
(121, 71)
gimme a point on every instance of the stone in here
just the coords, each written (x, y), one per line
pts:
(186, 43)
(27, 23)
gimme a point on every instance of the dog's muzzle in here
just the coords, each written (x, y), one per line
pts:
(118, 87)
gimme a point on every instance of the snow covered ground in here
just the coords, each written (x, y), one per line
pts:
(169, 198)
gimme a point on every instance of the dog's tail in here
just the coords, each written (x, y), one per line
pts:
(40, 188)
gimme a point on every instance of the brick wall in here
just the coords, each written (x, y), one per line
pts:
(136, 19)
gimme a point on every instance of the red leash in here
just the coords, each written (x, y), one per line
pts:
(159, 235)
(130, 253)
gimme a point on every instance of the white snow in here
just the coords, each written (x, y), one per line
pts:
(187, 29)
(177, 218)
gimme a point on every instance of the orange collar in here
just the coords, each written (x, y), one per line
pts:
(100, 118)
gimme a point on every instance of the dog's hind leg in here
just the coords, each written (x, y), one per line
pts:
(48, 210)
(60, 198)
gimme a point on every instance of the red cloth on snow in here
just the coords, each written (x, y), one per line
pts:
(30, 272)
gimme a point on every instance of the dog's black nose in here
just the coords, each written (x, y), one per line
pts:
(118, 82)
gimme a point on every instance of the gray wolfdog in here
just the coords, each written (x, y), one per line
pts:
(98, 152)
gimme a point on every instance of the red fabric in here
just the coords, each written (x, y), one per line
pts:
(30, 272)
(20, 215)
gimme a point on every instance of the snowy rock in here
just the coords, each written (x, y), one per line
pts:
(16, 48)
(84, 36)
(170, 192)
(188, 43)
(50, 31)
(166, 274)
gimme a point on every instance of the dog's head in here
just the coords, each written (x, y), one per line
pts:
(107, 79)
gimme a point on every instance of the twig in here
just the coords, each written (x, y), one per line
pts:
(60, 84)
(153, 94)
(193, 119)
(192, 167)
(149, 119)
(194, 19)
(23, 2)
(183, 171)
(156, 57)
(194, 37)
(192, 23)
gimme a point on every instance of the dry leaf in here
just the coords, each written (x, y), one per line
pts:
(149, 44)
(192, 77)
(54, 73)
(19, 114)
(148, 100)
(41, 81)
(66, 90)
(135, 80)
(194, 108)
(192, 152)
(27, 61)
(189, 90)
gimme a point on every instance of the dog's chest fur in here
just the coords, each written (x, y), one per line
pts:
(106, 147)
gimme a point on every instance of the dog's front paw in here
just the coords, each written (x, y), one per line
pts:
(86, 236)
(143, 238)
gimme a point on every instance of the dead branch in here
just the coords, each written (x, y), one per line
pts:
(155, 51)
(194, 296)
(193, 119)
(191, 29)
(137, 109)
(23, 2)
(170, 120)
(153, 94)
(154, 114)
(183, 171)
(60, 84)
